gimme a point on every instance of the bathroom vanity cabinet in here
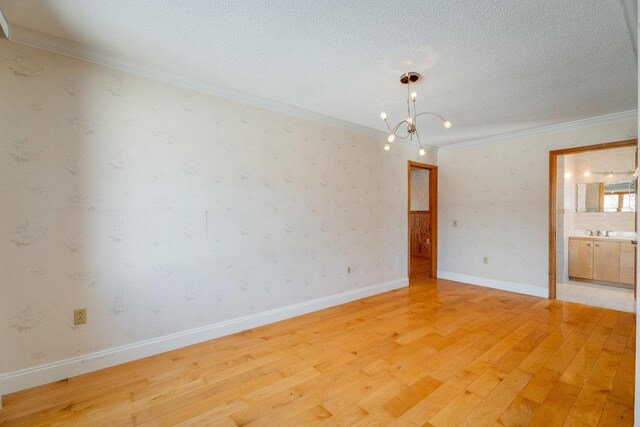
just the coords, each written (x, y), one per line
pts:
(602, 259)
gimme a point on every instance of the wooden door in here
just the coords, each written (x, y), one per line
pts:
(422, 221)
(581, 258)
(606, 261)
(420, 243)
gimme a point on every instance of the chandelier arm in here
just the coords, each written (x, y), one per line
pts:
(418, 136)
(431, 114)
(393, 131)
(388, 127)
(402, 137)
(398, 125)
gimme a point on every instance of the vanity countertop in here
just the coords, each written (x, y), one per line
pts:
(603, 238)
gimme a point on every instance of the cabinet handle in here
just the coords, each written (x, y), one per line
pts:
(598, 245)
(588, 244)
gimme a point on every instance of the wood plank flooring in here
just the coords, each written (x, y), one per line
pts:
(437, 353)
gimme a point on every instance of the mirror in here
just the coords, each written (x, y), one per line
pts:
(606, 197)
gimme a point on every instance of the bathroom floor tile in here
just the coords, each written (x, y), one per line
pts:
(597, 295)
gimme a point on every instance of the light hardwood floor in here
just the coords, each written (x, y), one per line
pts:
(437, 353)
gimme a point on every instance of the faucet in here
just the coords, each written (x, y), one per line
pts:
(590, 232)
(598, 233)
(606, 233)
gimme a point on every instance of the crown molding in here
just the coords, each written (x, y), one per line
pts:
(39, 40)
(4, 26)
(576, 124)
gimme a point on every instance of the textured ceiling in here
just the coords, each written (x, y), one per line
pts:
(491, 66)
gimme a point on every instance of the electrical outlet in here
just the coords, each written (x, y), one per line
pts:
(455, 222)
(80, 316)
(349, 270)
(485, 260)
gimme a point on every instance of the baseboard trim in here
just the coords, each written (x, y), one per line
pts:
(26, 378)
(504, 285)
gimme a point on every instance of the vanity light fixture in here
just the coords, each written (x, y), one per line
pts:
(410, 122)
(609, 174)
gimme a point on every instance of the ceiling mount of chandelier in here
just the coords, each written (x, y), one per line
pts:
(410, 122)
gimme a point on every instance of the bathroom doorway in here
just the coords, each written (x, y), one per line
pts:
(593, 226)
(422, 220)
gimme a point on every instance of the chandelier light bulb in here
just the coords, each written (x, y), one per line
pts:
(414, 95)
(587, 173)
(447, 124)
(383, 116)
(410, 120)
(391, 138)
(387, 147)
(422, 152)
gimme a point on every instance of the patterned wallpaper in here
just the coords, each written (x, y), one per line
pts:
(499, 193)
(160, 209)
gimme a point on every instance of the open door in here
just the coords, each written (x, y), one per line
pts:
(422, 220)
(576, 214)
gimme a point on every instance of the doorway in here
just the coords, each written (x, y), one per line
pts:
(422, 210)
(593, 224)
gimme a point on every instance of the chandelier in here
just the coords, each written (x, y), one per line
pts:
(410, 122)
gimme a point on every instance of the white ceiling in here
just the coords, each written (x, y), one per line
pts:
(490, 66)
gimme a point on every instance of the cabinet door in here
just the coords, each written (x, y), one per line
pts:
(606, 261)
(581, 258)
(627, 263)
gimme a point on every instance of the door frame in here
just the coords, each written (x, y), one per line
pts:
(433, 214)
(553, 196)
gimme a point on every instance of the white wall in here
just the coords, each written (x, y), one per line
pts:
(603, 221)
(162, 210)
(419, 194)
(498, 192)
